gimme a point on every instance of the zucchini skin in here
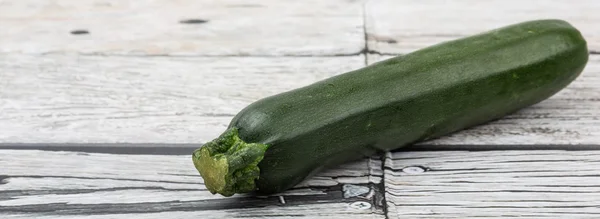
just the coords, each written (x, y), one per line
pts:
(419, 96)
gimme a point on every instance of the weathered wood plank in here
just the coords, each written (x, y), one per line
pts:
(493, 184)
(191, 100)
(402, 26)
(45, 184)
(164, 99)
(571, 117)
(325, 210)
(98, 99)
(183, 27)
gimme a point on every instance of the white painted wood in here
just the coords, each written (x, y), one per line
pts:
(493, 184)
(98, 99)
(73, 184)
(152, 27)
(402, 26)
(571, 117)
(325, 211)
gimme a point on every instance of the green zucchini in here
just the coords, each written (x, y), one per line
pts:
(276, 142)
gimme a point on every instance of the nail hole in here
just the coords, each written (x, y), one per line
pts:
(244, 6)
(414, 169)
(79, 32)
(360, 205)
(193, 21)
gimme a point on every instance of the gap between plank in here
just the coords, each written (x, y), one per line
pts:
(187, 149)
(365, 50)
(112, 148)
(500, 147)
(361, 52)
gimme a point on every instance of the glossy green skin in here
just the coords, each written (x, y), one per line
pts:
(422, 95)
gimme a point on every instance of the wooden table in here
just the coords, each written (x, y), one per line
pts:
(102, 102)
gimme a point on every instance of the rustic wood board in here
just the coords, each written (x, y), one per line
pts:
(97, 99)
(121, 99)
(137, 74)
(493, 184)
(182, 27)
(402, 26)
(44, 184)
(571, 118)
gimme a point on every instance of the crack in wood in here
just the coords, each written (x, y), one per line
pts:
(380, 191)
(14, 193)
(198, 205)
(111, 178)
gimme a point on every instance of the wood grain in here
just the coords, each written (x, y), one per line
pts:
(493, 184)
(45, 184)
(172, 73)
(99, 99)
(569, 118)
(182, 27)
(402, 26)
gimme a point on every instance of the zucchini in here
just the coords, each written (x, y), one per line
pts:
(276, 142)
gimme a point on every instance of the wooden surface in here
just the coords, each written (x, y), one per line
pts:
(182, 27)
(97, 99)
(102, 102)
(120, 99)
(493, 184)
(402, 26)
(71, 184)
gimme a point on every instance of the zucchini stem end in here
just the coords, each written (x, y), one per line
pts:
(229, 165)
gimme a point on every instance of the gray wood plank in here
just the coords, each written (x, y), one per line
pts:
(402, 26)
(44, 184)
(119, 99)
(183, 27)
(569, 118)
(493, 184)
(95, 99)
